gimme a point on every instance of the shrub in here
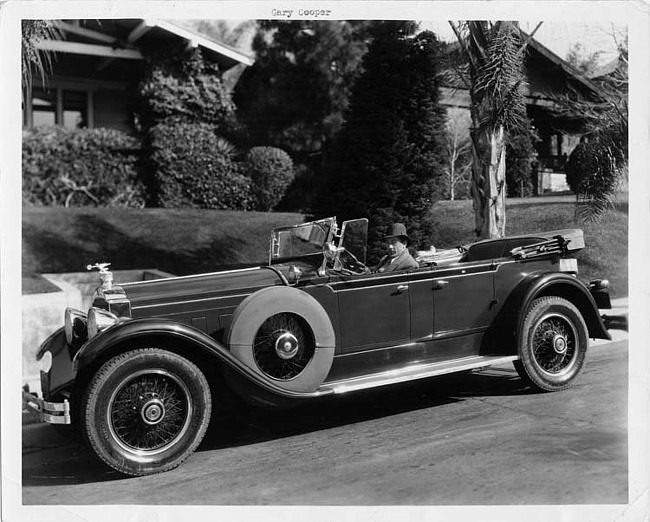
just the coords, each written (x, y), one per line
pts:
(299, 194)
(520, 154)
(191, 100)
(192, 168)
(271, 172)
(574, 167)
(81, 167)
(181, 87)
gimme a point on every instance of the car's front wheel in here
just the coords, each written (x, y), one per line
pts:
(145, 411)
(552, 344)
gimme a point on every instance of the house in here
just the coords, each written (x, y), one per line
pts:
(97, 63)
(549, 77)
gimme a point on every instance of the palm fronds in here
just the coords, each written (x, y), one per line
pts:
(34, 61)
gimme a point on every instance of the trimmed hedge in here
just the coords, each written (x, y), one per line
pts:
(193, 169)
(81, 167)
(199, 99)
(271, 171)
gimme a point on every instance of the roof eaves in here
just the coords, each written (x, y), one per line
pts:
(204, 42)
(566, 66)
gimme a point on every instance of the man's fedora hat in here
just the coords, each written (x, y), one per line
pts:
(397, 230)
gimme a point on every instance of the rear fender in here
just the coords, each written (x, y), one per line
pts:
(562, 285)
(182, 337)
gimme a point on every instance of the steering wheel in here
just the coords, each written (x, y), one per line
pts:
(346, 263)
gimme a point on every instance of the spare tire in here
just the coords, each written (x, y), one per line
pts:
(284, 335)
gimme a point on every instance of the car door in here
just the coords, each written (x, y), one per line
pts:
(374, 310)
(463, 298)
(450, 301)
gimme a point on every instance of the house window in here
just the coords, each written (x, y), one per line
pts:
(43, 107)
(56, 106)
(75, 109)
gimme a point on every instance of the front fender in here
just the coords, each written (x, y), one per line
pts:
(542, 284)
(61, 374)
(186, 337)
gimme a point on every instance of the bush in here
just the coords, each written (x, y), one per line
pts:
(520, 154)
(181, 87)
(192, 168)
(574, 167)
(271, 172)
(81, 167)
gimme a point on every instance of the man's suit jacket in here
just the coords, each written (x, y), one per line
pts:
(401, 262)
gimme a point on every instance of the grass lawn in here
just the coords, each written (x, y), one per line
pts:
(193, 241)
(178, 241)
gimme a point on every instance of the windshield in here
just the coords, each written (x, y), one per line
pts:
(301, 240)
(354, 237)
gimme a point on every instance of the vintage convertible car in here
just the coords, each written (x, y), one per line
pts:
(138, 373)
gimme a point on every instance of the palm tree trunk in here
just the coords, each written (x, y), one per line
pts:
(489, 186)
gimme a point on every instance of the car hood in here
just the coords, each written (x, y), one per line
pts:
(203, 286)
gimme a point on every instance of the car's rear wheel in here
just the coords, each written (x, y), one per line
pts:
(145, 411)
(552, 344)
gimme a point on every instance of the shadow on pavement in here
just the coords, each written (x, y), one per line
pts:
(260, 425)
(50, 459)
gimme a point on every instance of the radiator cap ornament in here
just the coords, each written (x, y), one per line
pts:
(105, 276)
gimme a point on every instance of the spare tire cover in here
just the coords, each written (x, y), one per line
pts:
(263, 304)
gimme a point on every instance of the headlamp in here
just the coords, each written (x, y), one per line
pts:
(99, 320)
(45, 362)
(75, 326)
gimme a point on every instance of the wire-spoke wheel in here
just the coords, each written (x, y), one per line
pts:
(284, 335)
(149, 411)
(283, 346)
(553, 344)
(145, 411)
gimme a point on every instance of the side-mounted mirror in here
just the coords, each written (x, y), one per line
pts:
(294, 275)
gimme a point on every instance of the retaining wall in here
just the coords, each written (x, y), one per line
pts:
(43, 313)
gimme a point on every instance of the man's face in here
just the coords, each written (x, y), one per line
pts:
(395, 247)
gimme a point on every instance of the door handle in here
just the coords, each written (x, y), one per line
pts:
(401, 288)
(439, 285)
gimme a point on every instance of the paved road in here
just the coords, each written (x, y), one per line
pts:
(477, 438)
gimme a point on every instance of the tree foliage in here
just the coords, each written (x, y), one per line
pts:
(583, 61)
(34, 61)
(458, 149)
(387, 161)
(295, 94)
(599, 163)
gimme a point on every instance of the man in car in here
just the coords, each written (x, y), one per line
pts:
(398, 256)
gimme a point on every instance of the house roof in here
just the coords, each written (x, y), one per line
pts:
(574, 73)
(124, 39)
(537, 52)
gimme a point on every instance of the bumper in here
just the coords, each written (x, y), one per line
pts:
(44, 411)
(615, 322)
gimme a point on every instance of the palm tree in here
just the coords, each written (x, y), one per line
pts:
(35, 62)
(493, 55)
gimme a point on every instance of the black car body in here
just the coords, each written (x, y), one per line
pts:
(139, 372)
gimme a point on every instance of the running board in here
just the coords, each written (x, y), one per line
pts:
(411, 373)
